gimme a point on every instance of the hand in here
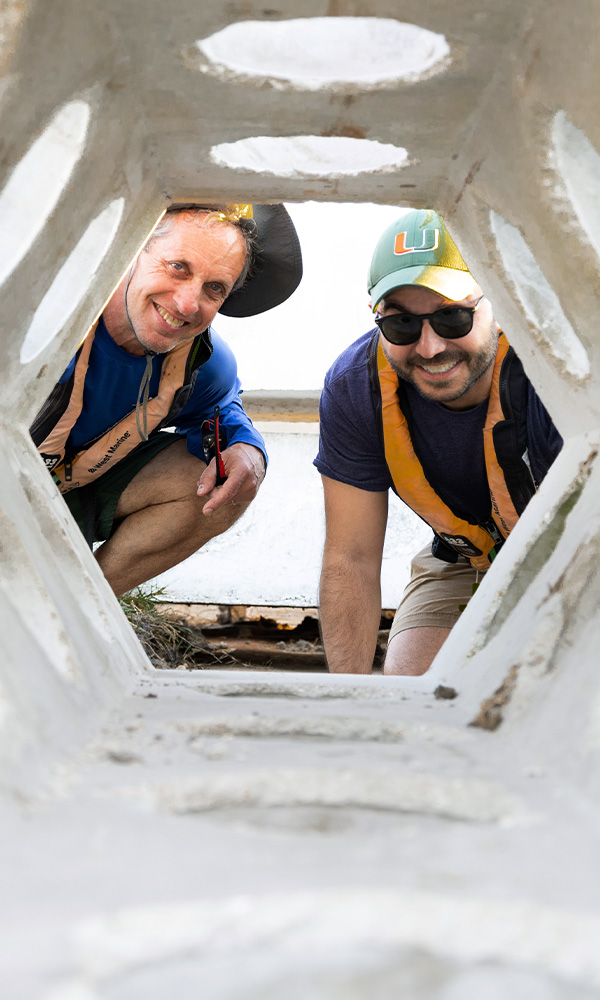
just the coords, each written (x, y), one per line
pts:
(245, 470)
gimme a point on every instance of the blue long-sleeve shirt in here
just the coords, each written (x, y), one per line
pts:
(112, 385)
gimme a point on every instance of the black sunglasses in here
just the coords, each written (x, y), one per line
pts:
(450, 322)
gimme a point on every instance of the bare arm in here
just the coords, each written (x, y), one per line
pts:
(350, 592)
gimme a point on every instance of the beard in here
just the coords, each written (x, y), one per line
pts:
(476, 365)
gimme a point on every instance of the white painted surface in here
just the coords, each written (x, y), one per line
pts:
(540, 302)
(315, 53)
(273, 555)
(310, 156)
(37, 182)
(73, 281)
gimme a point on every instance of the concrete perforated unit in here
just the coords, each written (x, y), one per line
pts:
(313, 836)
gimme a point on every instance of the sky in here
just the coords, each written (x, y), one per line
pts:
(293, 345)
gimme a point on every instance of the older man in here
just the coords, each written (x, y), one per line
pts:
(153, 362)
(435, 405)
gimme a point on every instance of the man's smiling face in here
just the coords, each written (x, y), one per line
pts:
(457, 373)
(178, 284)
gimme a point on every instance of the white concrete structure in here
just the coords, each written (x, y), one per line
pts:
(224, 835)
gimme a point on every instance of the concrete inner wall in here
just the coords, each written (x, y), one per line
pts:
(441, 848)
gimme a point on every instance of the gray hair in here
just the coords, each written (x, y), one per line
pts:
(246, 227)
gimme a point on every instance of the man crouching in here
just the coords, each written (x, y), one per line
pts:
(152, 362)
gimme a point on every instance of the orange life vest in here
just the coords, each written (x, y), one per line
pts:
(475, 541)
(119, 440)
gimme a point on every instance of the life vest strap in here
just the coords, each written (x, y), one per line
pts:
(474, 541)
(120, 439)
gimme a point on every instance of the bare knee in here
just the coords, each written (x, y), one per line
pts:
(412, 651)
(172, 475)
(220, 520)
(183, 522)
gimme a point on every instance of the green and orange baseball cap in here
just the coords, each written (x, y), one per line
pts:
(417, 249)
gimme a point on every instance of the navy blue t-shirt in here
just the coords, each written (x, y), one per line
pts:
(113, 381)
(448, 443)
(451, 445)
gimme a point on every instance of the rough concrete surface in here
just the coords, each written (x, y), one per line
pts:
(248, 835)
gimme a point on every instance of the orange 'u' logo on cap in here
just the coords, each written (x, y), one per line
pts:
(430, 239)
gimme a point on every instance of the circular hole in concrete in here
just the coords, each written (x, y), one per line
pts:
(310, 156)
(317, 53)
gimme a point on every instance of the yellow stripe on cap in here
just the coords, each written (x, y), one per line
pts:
(233, 213)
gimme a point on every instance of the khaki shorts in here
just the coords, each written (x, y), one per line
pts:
(434, 592)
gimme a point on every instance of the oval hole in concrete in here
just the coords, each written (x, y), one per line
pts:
(310, 156)
(317, 53)
(37, 182)
(578, 165)
(540, 303)
(78, 271)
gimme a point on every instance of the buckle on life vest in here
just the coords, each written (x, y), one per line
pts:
(50, 461)
(461, 544)
(492, 529)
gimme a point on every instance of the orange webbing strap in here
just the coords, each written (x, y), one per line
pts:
(408, 475)
(54, 443)
(503, 509)
(121, 439)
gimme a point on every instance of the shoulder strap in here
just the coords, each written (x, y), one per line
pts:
(510, 434)
(125, 435)
(411, 483)
(53, 445)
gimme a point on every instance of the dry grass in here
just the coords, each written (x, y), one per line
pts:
(168, 644)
